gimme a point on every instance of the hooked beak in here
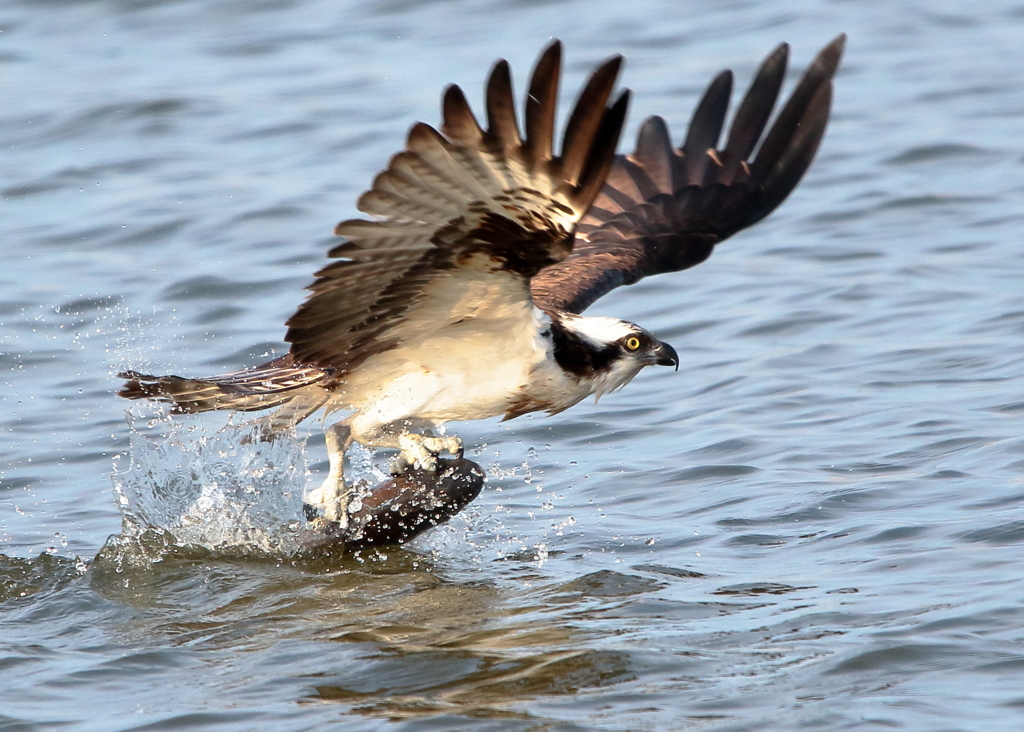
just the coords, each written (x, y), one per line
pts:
(666, 356)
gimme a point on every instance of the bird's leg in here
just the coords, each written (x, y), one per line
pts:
(420, 451)
(332, 495)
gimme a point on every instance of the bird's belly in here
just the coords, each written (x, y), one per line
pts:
(444, 379)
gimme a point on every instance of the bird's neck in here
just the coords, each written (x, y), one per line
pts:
(575, 353)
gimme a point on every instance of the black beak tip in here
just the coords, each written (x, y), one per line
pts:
(667, 356)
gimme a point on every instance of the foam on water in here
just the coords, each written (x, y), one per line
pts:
(220, 490)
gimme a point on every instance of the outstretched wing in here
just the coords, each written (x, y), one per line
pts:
(463, 218)
(664, 209)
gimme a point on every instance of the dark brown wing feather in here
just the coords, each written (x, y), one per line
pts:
(664, 209)
(458, 205)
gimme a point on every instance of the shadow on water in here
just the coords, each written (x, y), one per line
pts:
(215, 582)
(212, 566)
(417, 636)
(394, 634)
(213, 570)
(382, 634)
(46, 573)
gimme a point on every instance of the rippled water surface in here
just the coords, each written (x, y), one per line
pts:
(816, 524)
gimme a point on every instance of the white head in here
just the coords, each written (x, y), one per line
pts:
(608, 352)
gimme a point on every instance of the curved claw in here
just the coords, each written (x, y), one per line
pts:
(421, 451)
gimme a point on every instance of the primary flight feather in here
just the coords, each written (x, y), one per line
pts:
(462, 297)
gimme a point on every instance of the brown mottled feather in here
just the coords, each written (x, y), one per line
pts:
(501, 108)
(459, 121)
(541, 105)
(262, 387)
(705, 130)
(452, 196)
(586, 119)
(664, 209)
(752, 116)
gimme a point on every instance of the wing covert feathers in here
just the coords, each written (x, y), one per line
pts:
(663, 209)
(465, 201)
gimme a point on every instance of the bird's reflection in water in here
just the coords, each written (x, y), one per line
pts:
(453, 647)
(353, 618)
(385, 632)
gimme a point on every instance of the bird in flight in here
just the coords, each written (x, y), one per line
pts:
(462, 296)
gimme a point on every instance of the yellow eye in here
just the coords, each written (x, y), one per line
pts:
(632, 343)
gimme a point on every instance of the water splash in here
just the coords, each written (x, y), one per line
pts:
(221, 491)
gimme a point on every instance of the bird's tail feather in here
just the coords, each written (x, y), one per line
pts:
(276, 383)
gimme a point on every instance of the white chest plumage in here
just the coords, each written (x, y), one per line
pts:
(471, 369)
(474, 369)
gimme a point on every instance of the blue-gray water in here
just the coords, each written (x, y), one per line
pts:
(816, 524)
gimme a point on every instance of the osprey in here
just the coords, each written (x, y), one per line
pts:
(462, 297)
